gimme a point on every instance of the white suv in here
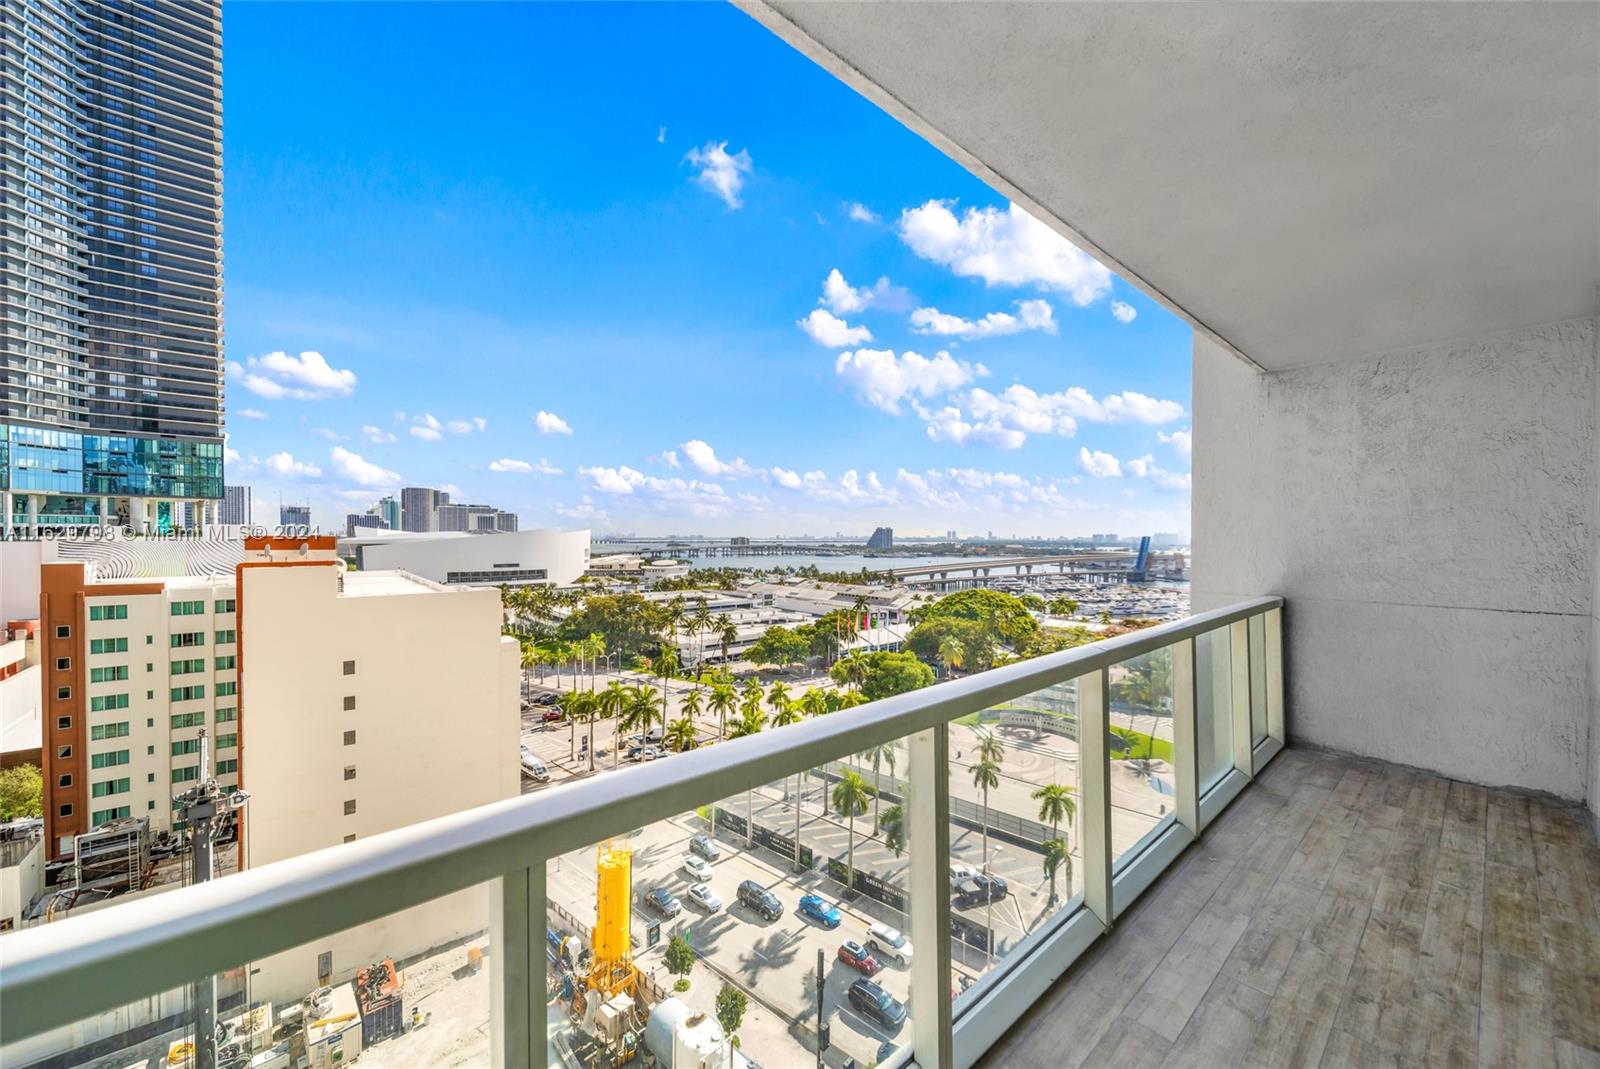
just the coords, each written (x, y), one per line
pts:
(889, 943)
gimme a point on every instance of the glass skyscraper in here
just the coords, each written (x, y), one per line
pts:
(111, 260)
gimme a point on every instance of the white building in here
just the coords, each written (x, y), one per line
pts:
(542, 556)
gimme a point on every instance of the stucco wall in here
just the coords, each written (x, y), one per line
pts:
(1430, 515)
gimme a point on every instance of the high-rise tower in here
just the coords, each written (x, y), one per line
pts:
(110, 261)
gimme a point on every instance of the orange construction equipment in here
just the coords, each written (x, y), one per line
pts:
(612, 971)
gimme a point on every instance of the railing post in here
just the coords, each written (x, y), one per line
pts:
(928, 826)
(1239, 663)
(1185, 758)
(1094, 767)
(1274, 652)
(517, 1022)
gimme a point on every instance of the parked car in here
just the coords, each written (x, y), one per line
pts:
(663, 902)
(703, 896)
(547, 699)
(643, 753)
(696, 868)
(760, 900)
(994, 886)
(877, 1005)
(889, 944)
(705, 846)
(858, 957)
(551, 714)
(960, 872)
(533, 767)
(817, 908)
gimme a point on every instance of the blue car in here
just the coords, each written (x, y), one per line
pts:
(817, 908)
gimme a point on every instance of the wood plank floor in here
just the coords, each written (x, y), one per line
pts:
(1346, 912)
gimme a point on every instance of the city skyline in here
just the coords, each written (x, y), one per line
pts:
(655, 305)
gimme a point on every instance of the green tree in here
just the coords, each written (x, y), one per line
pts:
(779, 646)
(814, 702)
(1057, 805)
(951, 654)
(976, 641)
(610, 703)
(892, 826)
(1105, 617)
(723, 700)
(730, 1005)
(885, 674)
(1063, 606)
(679, 959)
(1055, 857)
(986, 777)
(692, 703)
(879, 755)
(666, 666)
(727, 634)
(850, 796)
(850, 670)
(680, 734)
(21, 792)
(1005, 615)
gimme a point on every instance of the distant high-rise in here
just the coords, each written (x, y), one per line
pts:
(111, 261)
(882, 538)
(474, 518)
(419, 508)
(235, 509)
(389, 509)
(294, 515)
(367, 521)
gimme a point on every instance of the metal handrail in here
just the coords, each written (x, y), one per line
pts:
(53, 974)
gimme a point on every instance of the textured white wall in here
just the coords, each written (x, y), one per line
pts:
(1431, 517)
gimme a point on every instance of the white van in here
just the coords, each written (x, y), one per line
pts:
(532, 766)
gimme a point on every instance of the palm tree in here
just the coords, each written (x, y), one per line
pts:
(853, 668)
(892, 826)
(785, 713)
(951, 654)
(641, 713)
(778, 696)
(667, 666)
(680, 734)
(1056, 856)
(723, 701)
(750, 722)
(611, 703)
(727, 634)
(986, 777)
(880, 755)
(1056, 804)
(814, 702)
(850, 799)
(700, 620)
(692, 701)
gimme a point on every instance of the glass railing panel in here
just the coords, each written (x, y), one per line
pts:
(411, 988)
(1213, 671)
(1016, 853)
(1140, 742)
(1258, 680)
(703, 931)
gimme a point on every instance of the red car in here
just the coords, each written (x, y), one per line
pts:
(550, 716)
(858, 957)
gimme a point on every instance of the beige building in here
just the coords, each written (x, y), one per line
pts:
(372, 700)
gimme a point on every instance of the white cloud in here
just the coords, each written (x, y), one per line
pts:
(691, 495)
(330, 435)
(949, 425)
(252, 413)
(286, 466)
(828, 329)
(703, 457)
(1008, 247)
(1182, 443)
(550, 423)
(661, 136)
(467, 426)
(1100, 465)
(1124, 312)
(307, 377)
(883, 380)
(721, 173)
(358, 469)
(426, 433)
(861, 213)
(377, 435)
(1031, 315)
(789, 480)
(845, 299)
(669, 457)
(522, 467)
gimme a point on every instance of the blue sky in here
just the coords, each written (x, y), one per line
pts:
(575, 261)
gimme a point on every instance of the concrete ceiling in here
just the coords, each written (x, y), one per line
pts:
(1305, 181)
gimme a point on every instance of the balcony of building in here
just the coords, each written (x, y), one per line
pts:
(1361, 828)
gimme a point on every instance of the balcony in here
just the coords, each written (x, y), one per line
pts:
(964, 762)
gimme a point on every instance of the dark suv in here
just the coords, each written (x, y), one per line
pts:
(876, 1004)
(760, 900)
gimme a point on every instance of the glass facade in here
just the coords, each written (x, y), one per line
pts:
(111, 249)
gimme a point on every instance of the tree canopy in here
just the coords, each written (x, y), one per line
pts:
(21, 792)
(1004, 615)
(884, 674)
(781, 646)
